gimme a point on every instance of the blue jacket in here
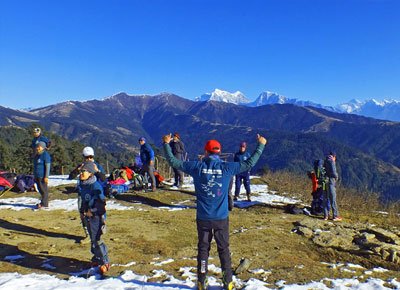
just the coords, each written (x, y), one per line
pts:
(41, 165)
(92, 197)
(242, 156)
(211, 178)
(38, 139)
(146, 153)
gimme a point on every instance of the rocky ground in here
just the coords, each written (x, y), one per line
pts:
(160, 226)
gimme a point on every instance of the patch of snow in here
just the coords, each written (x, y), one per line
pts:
(20, 203)
(162, 263)
(124, 265)
(380, 270)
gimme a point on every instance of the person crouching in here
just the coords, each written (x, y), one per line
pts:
(93, 208)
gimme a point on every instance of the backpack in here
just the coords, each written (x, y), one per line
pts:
(25, 182)
(320, 172)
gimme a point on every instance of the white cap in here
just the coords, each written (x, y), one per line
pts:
(88, 151)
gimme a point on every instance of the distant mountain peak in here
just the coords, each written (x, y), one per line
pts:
(268, 98)
(219, 95)
(388, 109)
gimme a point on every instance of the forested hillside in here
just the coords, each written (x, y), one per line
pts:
(15, 152)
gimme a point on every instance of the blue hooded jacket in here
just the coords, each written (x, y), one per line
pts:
(92, 197)
(146, 153)
(211, 178)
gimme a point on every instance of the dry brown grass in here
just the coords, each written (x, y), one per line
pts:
(148, 234)
(357, 205)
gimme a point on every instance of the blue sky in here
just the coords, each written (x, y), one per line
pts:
(320, 50)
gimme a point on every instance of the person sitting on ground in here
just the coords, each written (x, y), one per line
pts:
(88, 156)
(243, 177)
(93, 208)
(41, 172)
(211, 177)
(178, 149)
(147, 158)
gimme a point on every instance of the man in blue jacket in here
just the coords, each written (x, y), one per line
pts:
(41, 172)
(38, 137)
(242, 155)
(147, 157)
(211, 178)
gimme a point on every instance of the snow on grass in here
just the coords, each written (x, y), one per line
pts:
(130, 280)
(20, 203)
(260, 195)
(56, 180)
(162, 262)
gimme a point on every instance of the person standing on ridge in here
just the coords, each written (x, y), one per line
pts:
(243, 177)
(88, 156)
(93, 207)
(332, 175)
(41, 172)
(211, 177)
(178, 149)
(147, 158)
(38, 137)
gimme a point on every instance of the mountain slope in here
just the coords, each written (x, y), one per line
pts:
(367, 148)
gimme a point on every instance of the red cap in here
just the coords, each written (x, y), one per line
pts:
(213, 146)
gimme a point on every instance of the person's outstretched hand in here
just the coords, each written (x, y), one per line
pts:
(261, 139)
(167, 138)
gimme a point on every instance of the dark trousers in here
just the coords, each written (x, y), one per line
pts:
(178, 177)
(98, 248)
(206, 230)
(149, 169)
(242, 178)
(44, 192)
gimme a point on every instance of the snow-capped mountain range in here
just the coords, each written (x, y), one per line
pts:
(386, 109)
(218, 95)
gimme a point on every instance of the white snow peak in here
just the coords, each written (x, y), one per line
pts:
(224, 96)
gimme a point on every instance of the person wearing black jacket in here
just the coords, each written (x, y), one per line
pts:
(178, 149)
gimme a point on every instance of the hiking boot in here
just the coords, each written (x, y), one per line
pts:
(202, 285)
(228, 286)
(337, 219)
(104, 268)
(41, 206)
(94, 262)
